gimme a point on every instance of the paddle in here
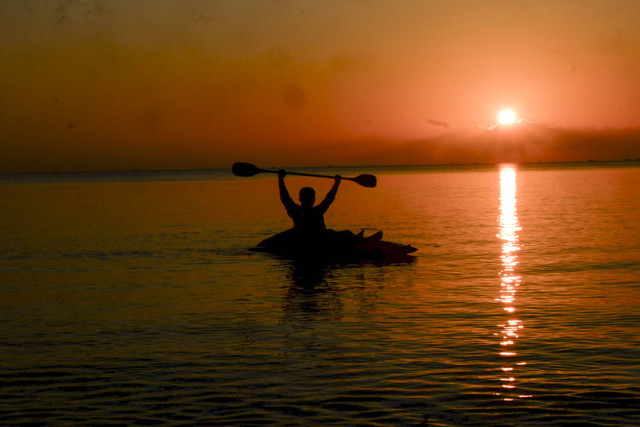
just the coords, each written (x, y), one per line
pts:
(247, 169)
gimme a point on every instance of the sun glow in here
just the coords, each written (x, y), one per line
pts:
(507, 117)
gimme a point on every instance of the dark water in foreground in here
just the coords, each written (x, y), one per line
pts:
(132, 299)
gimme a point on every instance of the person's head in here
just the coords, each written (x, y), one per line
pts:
(307, 196)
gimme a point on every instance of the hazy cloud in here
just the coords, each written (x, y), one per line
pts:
(438, 123)
(524, 143)
(294, 97)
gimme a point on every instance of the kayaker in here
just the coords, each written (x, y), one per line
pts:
(308, 220)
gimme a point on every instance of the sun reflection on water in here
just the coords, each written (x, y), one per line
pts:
(508, 229)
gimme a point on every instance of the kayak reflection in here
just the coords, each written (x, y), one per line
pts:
(308, 289)
(315, 288)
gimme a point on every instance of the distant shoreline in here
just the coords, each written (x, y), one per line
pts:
(425, 165)
(141, 175)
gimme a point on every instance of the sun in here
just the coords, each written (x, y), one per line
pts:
(506, 117)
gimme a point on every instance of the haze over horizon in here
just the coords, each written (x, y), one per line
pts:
(117, 85)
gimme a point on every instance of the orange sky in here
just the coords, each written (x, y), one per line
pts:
(90, 85)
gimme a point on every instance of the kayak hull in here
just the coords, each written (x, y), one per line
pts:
(334, 246)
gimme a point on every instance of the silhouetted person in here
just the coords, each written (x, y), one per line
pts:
(309, 229)
(308, 220)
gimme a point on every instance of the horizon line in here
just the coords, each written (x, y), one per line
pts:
(215, 169)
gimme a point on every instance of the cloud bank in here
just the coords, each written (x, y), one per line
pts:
(522, 143)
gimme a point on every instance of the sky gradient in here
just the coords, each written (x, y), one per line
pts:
(111, 85)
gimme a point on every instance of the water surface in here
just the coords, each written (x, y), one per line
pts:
(132, 298)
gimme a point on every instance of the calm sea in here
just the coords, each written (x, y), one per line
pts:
(132, 298)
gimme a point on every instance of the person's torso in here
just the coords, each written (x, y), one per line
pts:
(308, 220)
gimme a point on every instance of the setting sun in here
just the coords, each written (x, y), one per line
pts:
(506, 117)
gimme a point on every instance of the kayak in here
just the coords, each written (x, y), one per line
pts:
(338, 246)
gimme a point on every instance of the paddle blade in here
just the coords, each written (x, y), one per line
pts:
(245, 169)
(366, 180)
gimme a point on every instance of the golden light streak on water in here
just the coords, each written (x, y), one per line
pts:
(508, 229)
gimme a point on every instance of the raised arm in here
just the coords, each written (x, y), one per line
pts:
(286, 199)
(331, 195)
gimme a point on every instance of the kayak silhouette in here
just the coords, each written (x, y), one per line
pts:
(309, 239)
(334, 248)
